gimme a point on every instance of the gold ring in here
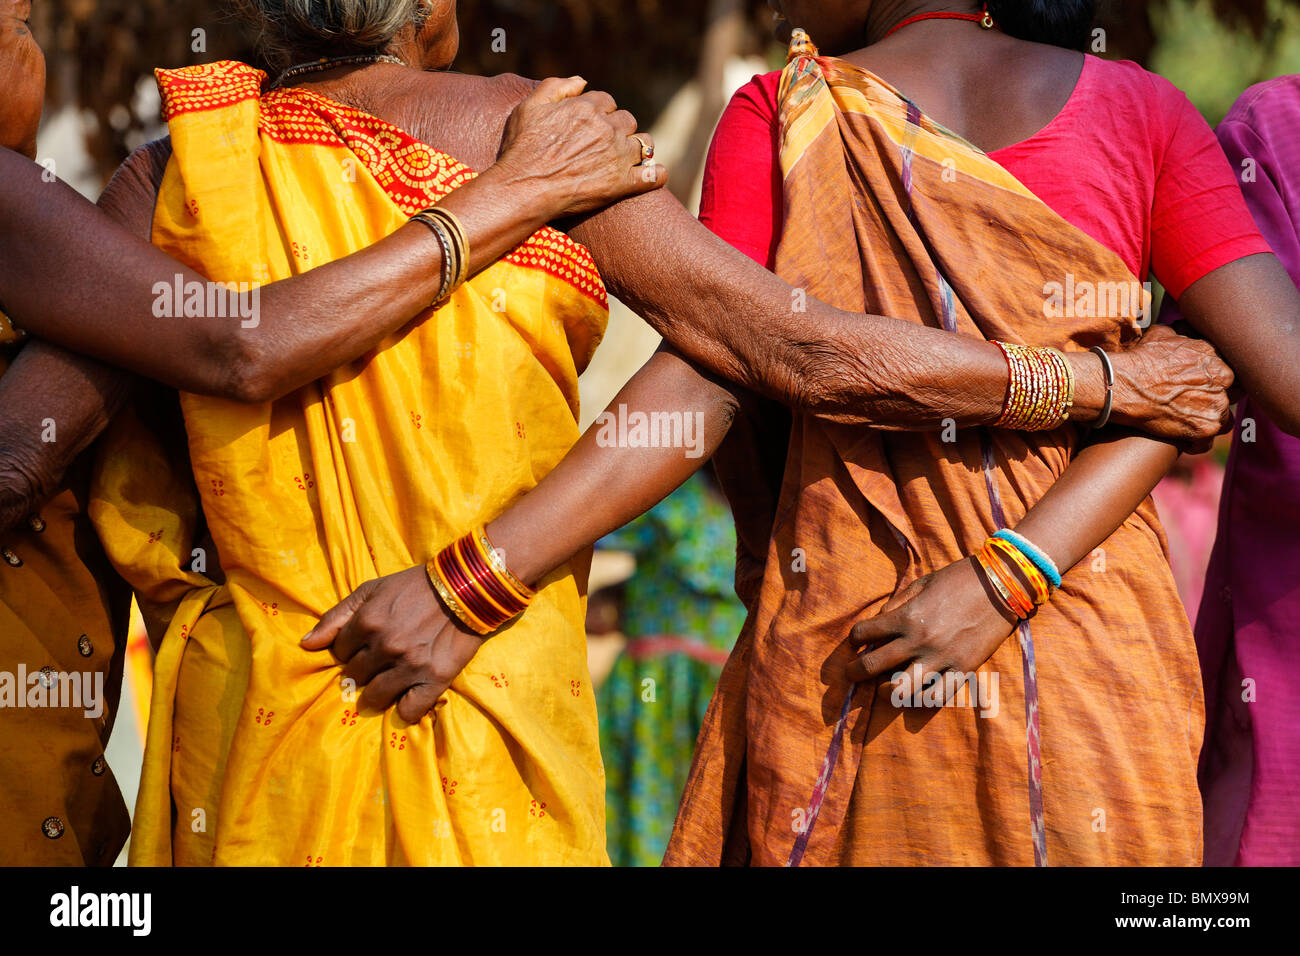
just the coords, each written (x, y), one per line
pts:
(647, 149)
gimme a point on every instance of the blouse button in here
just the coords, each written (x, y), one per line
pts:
(98, 767)
(84, 646)
(46, 677)
(10, 558)
(36, 523)
(52, 827)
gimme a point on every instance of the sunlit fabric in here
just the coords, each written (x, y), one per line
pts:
(256, 753)
(1086, 754)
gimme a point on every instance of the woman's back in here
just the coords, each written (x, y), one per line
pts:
(1126, 158)
(993, 90)
(938, 228)
(458, 114)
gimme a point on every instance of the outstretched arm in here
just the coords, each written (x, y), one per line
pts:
(734, 320)
(73, 278)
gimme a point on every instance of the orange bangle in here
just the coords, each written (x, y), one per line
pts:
(1042, 593)
(471, 579)
(1021, 603)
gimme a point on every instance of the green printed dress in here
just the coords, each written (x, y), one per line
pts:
(681, 617)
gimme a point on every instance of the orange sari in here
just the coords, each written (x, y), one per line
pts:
(1088, 755)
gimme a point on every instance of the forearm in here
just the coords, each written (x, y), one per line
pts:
(1263, 350)
(53, 405)
(58, 283)
(739, 321)
(1105, 483)
(316, 322)
(600, 487)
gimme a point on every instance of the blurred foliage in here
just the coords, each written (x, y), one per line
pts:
(642, 51)
(1212, 65)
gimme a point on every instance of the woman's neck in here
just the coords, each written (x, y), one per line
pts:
(885, 15)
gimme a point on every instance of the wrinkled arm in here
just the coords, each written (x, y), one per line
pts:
(732, 317)
(72, 277)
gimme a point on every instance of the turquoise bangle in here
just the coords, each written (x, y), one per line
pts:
(1039, 560)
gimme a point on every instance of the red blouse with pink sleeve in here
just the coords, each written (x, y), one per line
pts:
(1129, 161)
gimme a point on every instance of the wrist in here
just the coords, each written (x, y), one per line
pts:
(1089, 387)
(526, 193)
(473, 582)
(510, 540)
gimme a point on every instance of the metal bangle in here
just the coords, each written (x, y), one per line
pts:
(448, 254)
(1109, 371)
(459, 238)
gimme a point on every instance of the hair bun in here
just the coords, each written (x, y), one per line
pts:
(1064, 23)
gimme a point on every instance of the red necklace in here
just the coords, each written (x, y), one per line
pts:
(984, 19)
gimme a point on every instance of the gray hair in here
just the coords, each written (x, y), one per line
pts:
(305, 29)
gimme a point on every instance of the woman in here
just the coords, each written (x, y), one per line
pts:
(889, 784)
(1088, 755)
(222, 633)
(1247, 630)
(62, 608)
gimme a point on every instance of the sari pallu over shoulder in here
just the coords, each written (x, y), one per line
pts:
(256, 751)
(1082, 747)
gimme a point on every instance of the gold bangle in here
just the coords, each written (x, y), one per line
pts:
(498, 564)
(449, 599)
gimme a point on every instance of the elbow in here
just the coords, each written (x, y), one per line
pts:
(826, 379)
(26, 481)
(239, 370)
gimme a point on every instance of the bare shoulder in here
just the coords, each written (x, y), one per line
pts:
(460, 114)
(495, 93)
(132, 193)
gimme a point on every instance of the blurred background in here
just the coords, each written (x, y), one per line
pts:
(663, 614)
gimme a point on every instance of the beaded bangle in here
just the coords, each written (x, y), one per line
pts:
(471, 579)
(1035, 555)
(1040, 388)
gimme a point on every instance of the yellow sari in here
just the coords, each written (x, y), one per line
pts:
(256, 753)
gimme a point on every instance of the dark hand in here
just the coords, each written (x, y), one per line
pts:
(577, 148)
(946, 621)
(394, 637)
(1174, 388)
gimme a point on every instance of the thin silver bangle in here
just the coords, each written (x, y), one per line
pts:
(1109, 371)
